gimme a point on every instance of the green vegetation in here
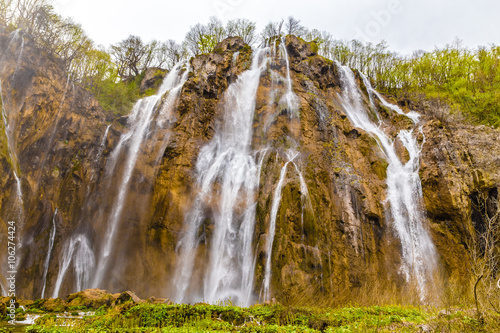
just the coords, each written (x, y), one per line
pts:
(129, 317)
(467, 81)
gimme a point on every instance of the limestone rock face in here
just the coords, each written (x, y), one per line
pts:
(152, 78)
(458, 163)
(336, 245)
(55, 132)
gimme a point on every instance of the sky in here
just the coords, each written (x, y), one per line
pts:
(406, 25)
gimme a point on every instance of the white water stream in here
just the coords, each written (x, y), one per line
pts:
(49, 253)
(228, 175)
(404, 192)
(141, 125)
(77, 250)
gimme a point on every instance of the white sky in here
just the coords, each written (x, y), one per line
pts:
(406, 25)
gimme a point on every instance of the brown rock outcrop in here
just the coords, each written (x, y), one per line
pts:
(336, 245)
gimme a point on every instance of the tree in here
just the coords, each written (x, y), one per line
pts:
(173, 53)
(484, 246)
(242, 28)
(203, 38)
(129, 55)
(293, 27)
(6, 11)
(323, 39)
(272, 29)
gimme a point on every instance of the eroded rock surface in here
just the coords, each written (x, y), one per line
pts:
(336, 246)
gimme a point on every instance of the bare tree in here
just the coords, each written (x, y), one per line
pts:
(484, 246)
(243, 28)
(6, 11)
(129, 55)
(27, 11)
(293, 27)
(323, 39)
(173, 53)
(203, 38)
(272, 29)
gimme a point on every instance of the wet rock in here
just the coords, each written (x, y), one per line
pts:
(331, 245)
(128, 296)
(401, 151)
(298, 49)
(154, 300)
(91, 298)
(232, 44)
(152, 79)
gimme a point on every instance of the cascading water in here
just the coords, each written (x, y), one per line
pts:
(272, 226)
(78, 251)
(403, 185)
(304, 199)
(228, 178)
(102, 145)
(10, 148)
(49, 253)
(8, 118)
(9, 126)
(99, 153)
(290, 102)
(372, 92)
(289, 98)
(141, 125)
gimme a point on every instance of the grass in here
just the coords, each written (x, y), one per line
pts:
(129, 317)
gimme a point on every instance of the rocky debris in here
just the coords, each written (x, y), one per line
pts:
(155, 300)
(91, 298)
(128, 296)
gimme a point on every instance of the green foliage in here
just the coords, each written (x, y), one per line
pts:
(467, 80)
(266, 318)
(117, 97)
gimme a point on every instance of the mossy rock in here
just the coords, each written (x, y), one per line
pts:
(91, 298)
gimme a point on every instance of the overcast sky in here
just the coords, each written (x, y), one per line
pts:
(406, 25)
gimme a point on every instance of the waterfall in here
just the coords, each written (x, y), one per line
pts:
(414, 116)
(289, 98)
(49, 253)
(9, 127)
(304, 199)
(100, 150)
(78, 251)
(10, 148)
(289, 101)
(235, 58)
(272, 226)
(404, 192)
(227, 176)
(141, 126)
(8, 120)
(102, 145)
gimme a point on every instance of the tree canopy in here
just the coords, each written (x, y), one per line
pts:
(468, 80)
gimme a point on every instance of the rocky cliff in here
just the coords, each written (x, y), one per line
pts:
(334, 238)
